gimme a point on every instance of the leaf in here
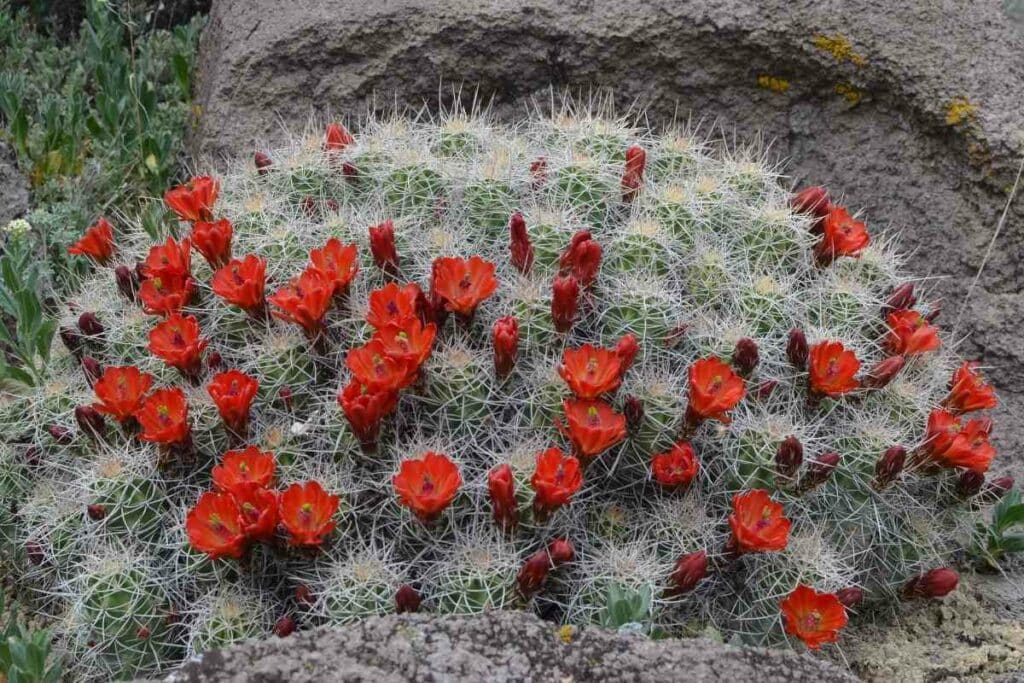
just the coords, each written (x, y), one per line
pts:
(1009, 517)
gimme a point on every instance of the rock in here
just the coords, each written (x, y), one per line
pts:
(498, 646)
(910, 110)
(14, 197)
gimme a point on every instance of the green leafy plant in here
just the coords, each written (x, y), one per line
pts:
(25, 655)
(1005, 533)
(625, 607)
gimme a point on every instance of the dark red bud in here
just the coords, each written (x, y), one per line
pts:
(538, 172)
(626, 349)
(520, 248)
(309, 207)
(564, 302)
(214, 361)
(33, 456)
(505, 336)
(96, 511)
(533, 573)
(745, 356)
(407, 599)
(72, 340)
(34, 552)
(690, 569)
(286, 397)
(932, 584)
(633, 409)
(303, 595)
(902, 296)
(350, 171)
(797, 350)
(883, 372)
(997, 488)
(91, 369)
(284, 626)
(969, 484)
(561, 551)
(90, 325)
(890, 465)
(90, 421)
(819, 470)
(127, 282)
(263, 163)
(60, 434)
(332, 205)
(850, 596)
(765, 389)
(934, 313)
(143, 633)
(789, 457)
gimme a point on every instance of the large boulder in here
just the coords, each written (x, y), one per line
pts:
(498, 647)
(911, 109)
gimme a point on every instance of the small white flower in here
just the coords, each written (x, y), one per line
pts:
(19, 227)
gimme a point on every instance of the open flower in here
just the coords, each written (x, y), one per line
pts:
(832, 369)
(714, 390)
(592, 426)
(166, 294)
(427, 485)
(304, 301)
(215, 526)
(409, 342)
(338, 262)
(382, 246)
(813, 617)
(121, 390)
(365, 409)
(212, 239)
(757, 522)
(241, 283)
(633, 175)
(233, 393)
(97, 243)
(556, 478)
(676, 467)
(337, 137)
(372, 366)
(502, 490)
(392, 305)
(169, 260)
(163, 417)
(969, 391)
(842, 235)
(950, 442)
(591, 371)
(582, 258)
(306, 512)
(463, 284)
(258, 509)
(910, 334)
(249, 466)
(176, 341)
(194, 200)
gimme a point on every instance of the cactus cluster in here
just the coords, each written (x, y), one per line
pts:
(466, 367)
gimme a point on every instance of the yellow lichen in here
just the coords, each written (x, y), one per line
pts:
(960, 110)
(850, 93)
(566, 633)
(773, 83)
(839, 47)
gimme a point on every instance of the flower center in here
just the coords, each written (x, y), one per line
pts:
(427, 487)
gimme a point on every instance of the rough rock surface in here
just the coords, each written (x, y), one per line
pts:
(14, 195)
(911, 109)
(499, 646)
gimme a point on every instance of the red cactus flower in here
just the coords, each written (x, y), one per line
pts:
(591, 371)
(393, 305)
(564, 302)
(176, 341)
(121, 390)
(842, 235)
(714, 390)
(677, 467)
(501, 487)
(505, 336)
(832, 369)
(365, 409)
(757, 522)
(952, 443)
(213, 241)
(813, 617)
(592, 426)
(163, 417)
(97, 243)
(382, 246)
(305, 511)
(519, 246)
(194, 200)
(883, 372)
(690, 570)
(168, 260)
(556, 478)
(410, 342)
(627, 348)
(339, 263)
(337, 137)
(233, 393)
(910, 334)
(969, 391)
(215, 526)
(241, 283)
(247, 467)
(535, 570)
(166, 294)
(304, 301)
(258, 509)
(582, 258)
(373, 366)
(815, 202)
(463, 284)
(633, 175)
(427, 485)
(932, 584)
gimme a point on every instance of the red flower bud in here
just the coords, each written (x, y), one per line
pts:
(506, 344)
(90, 422)
(72, 340)
(789, 457)
(143, 633)
(92, 369)
(284, 626)
(902, 297)
(883, 372)
(814, 201)
(850, 596)
(407, 599)
(626, 349)
(533, 573)
(90, 325)
(633, 409)
(538, 172)
(690, 569)
(969, 484)
(501, 486)
(303, 595)
(286, 397)
(745, 356)
(932, 584)
(582, 258)
(997, 488)
(96, 512)
(633, 175)
(337, 138)
(797, 350)
(309, 207)
(564, 302)
(890, 465)
(765, 389)
(519, 244)
(127, 282)
(214, 361)
(61, 435)
(561, 551)
(350, 171)
(819, 471)
(34, 552)
(263, 163)
(382, 246)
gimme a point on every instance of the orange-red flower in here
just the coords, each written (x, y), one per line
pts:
(842, 235)
(372, 366)
(633, 175)
(241, 283)
(364, 409)
(462, 284)
(582, 258)
(170, 259)
(212, 239)
(505, 335)
(247, 467)
(427, 485)
(757, 522)
(969, 391)
(952, 443)
(194, 200)
(176, 341)
(714, 390)
(258, 510)
(392, 305)
(556, 478)
(591, 371)
(97, 243)
(813, 617)
(215, 526)
(306, 512)
(337, 137)
(120, 391)
(676, 467)
(163, 417)
(233, 393)
(409, 342)
(304, 301)
(338, 262)
(910, 334)
(832, 369)
(592, 426)
(165, 294)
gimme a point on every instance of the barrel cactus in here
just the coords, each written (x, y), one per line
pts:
(615, 376)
